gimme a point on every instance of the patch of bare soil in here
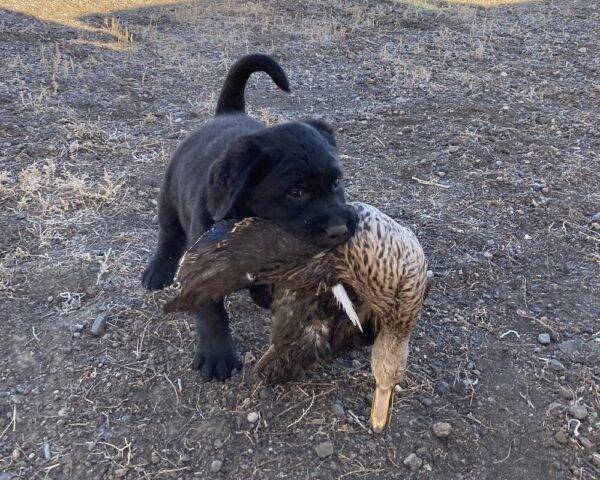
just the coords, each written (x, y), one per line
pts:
(477, 126)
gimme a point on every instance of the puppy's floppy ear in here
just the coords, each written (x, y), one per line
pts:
(324, 129)
(229, 175)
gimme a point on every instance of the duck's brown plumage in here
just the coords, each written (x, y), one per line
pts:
(382, 267)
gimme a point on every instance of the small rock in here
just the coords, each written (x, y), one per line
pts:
(527, 237)
(441, 387)
(556, 365)
(488, 255)
(218, 443)
(544, 338)
(554, 407)
(442, 429)
(253, 417)
(185, 458)
(577, 411)
(264, 394)
(426, 401)
(596, 459)
(565, 393)
(62, 412)
(586, 443)
(154, 458)
(99, 325)
(76, 328)
(216, 465)
(15, 455)
(413, 462)
(338, 409)
(47, 451)
(21, 216)
(324, 449)
(595, 226)
(121, 472)
(561, 437)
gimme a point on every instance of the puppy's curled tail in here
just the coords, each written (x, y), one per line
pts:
(231, 98)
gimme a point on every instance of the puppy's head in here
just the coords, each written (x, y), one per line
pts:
(290, 174)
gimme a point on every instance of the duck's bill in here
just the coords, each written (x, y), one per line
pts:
(381, 408)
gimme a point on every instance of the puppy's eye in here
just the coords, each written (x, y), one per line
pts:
(297, 192)
(336, 183)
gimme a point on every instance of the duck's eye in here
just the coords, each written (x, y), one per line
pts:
(297, 192)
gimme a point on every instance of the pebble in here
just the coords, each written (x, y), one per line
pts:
(324, 449)
(586, 443)
(544, 338)
(264, 394)
(338, 409)
(253, 417)
(527, 237)
(16, 453)
(441, 386)
(413, 462)
(216, 465)
(556, 365)
(47, 451)
(596, 459)
(442, 429)
(565, 393)
(99, 325)
(426, 401)
(577, 411)
(154, 458)
(76, 328)
(561, 437)
(185, 458)
(62, 412)
(120, 472)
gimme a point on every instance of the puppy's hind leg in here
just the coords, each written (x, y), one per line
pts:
(171, 245)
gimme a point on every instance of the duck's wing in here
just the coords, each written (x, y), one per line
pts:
(233, 255)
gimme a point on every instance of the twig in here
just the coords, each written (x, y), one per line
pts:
(508, 332)
(304, 412)
(505, 458)
(429, 183)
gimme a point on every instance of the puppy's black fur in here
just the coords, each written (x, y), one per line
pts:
(235, 167)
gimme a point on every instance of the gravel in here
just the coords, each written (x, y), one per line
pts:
(565, 393)
(561, 437)
(324, 449)
(442, 429)
(577, 411)
(99, 325)
(413, 462)
(544, 338)
(556, 365)
(338, 409)
(216, 465)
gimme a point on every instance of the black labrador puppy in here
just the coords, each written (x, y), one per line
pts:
(234, 167)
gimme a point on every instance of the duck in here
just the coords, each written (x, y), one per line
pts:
(368, 290)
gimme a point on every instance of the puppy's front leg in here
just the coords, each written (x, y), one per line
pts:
(215, 353)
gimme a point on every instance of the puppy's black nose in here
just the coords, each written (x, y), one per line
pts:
(337, 232)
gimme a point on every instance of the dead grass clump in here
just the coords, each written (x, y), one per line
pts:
(57, 191)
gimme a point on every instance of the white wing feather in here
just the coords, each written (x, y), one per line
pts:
(340, 294)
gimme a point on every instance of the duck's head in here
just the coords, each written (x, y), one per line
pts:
(388, 363)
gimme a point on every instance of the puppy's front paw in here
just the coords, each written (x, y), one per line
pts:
(159, 274)
(216, 360)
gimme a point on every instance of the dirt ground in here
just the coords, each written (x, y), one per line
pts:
(476, 123)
